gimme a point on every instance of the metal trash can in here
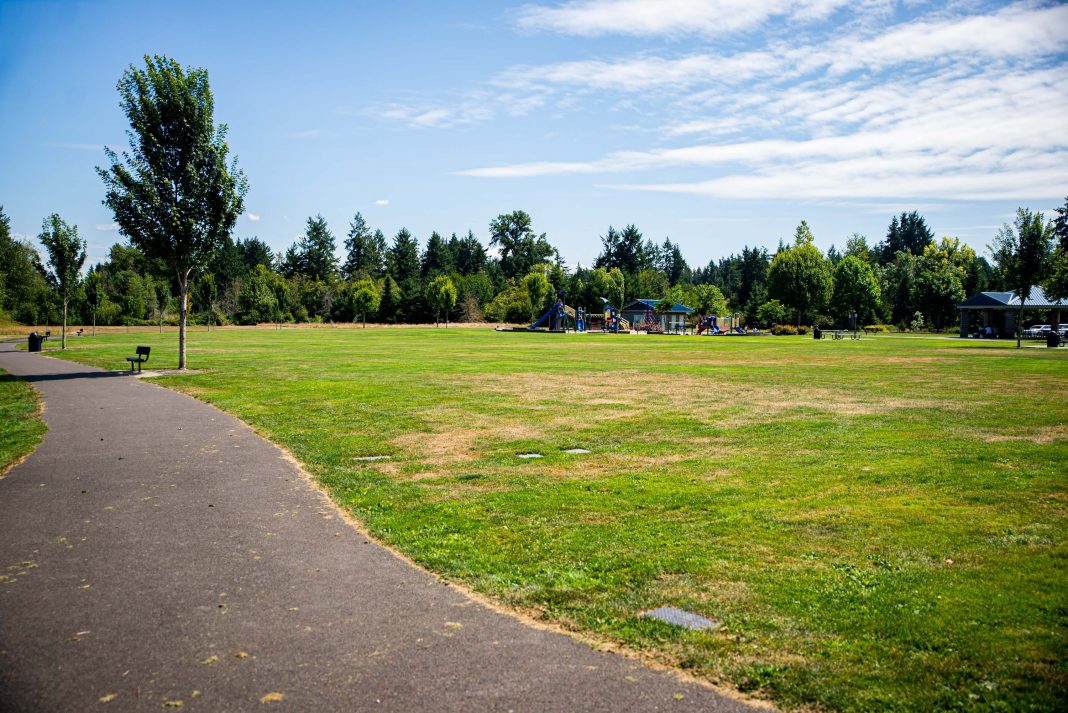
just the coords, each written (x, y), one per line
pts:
(1053, 340)
(817, 333)
(34, 342)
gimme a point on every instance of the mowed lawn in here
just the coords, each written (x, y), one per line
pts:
(876, 524)
(21, 426)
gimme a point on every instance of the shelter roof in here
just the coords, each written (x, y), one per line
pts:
(651, 304)
(1007, 300)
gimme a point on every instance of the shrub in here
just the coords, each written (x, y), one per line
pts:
(770, 313)
(784, 330)
(878, 327)
(802, 329)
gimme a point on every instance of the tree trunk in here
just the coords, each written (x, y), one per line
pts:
(1019, 322)
(183, 316)
(94, 321)
(364, 317)
(63, 340)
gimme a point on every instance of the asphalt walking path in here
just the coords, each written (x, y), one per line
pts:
(155, 552)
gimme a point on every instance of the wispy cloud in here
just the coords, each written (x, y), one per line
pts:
(590, 18)
(107, 227)
(429, 116)
(949, 107)
(382, 202)
(254, 217)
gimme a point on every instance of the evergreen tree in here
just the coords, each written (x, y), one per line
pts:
(609, 249)
(436, 258)
(404, 269)
(23, 287)
(909, 234)
(255, 252)
(469, 256)
(317, 248)
(404, 257)
(389, 304)
(366, 255)
(1056, 284)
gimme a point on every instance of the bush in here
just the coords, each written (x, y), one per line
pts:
(512, 305)
(802, 329)
(784, 330)
(770, 313)
(878, 327)
(823, 322)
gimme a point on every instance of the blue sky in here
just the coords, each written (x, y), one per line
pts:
(717, 124)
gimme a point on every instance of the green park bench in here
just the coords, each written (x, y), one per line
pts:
(140, 358)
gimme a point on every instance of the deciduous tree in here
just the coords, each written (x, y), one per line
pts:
(365, 299)
(173, 193)
(520, 248)
(66, 255)
(441, 297)
(799, 277)
(1022, 255)
(856, 289)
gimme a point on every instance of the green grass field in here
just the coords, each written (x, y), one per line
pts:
(22, 425)
(877, 524)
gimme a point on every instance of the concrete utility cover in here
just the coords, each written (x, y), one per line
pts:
(530, 455)
(576, 451)
(365, 458)
(681, 617)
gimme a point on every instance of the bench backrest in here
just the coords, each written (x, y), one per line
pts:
(143, 351)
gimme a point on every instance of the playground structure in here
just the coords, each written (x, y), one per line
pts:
(710, 325)
(613, 323)
(560, 318)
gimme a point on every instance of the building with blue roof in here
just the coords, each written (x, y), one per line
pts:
(999, 311)
(640, 312)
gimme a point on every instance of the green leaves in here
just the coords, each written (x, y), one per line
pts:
(66, 254)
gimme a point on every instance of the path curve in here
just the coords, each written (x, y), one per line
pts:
(155, 549)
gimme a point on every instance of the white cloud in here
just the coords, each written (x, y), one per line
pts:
(254, 217)
(1018, 31)
(382, 201)
(590, 18)
(427, 116)
(948, 108)
(107, 227)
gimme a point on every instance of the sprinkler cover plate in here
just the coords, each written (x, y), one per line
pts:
(681, 617)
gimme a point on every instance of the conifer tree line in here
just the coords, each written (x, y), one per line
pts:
(361, 275)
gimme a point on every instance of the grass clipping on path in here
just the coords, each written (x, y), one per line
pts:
(21, 426)
(876, 524)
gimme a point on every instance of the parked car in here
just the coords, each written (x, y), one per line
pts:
(1063, 330)
(1037, 330)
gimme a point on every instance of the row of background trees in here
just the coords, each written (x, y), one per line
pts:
(519, 272)
(176, 196)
